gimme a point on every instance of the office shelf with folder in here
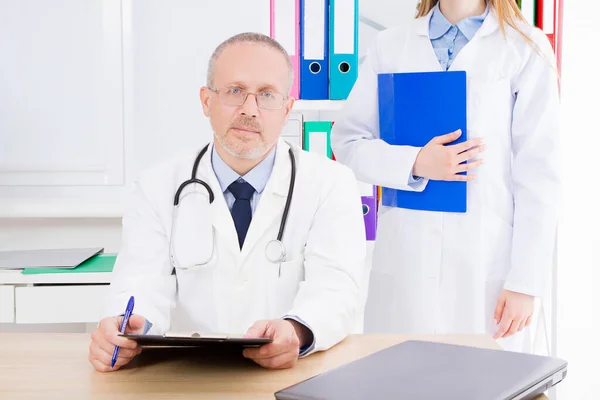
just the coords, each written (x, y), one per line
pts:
(318, 105)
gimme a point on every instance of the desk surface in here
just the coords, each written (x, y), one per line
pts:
(35, 366)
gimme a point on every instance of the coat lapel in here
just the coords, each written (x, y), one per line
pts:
(471, 52)
(423, 56)
(431, 63)
(421, 25)
(272, 201)
(219, 212)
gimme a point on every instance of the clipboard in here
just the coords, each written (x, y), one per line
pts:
(194, 339)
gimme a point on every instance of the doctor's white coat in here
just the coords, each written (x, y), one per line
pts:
(442, 272)
(322, 280)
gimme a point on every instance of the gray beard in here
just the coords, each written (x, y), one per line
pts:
(254, 154)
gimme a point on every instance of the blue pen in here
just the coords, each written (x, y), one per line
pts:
(128, 312)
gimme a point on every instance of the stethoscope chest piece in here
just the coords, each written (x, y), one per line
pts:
(275, 252)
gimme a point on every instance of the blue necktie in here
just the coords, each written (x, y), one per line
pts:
(241, 210)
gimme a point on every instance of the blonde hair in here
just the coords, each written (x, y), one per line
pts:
(508, 14)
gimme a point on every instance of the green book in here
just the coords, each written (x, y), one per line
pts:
(100, 263)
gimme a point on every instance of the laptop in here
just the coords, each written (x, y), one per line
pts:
(426, 370)
(51, 258)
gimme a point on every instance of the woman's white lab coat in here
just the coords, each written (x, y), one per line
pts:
(322, 279)
(442, 272)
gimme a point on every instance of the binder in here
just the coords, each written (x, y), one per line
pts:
(317, 137)
(332, 153)
(406, 117)
(369, 205)
(285, 28)
(549, 20)
(314, 49)
(343, 47)
(545, 16)
(100, 263)
(528, 9)
(293, 129)
(557, 39)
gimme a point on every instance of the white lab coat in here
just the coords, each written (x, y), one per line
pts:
(322, 280)
(442, 272)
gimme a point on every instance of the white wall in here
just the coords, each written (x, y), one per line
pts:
(579, 236)
(32, 233)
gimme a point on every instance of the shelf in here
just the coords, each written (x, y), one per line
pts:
(15, 277)
(318, 105)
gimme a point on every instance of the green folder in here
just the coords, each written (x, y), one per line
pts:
(103, 262)
(317, 137)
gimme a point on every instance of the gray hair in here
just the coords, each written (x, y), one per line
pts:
(249, 37)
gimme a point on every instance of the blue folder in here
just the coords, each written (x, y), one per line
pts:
(314, 49)
(414, 108)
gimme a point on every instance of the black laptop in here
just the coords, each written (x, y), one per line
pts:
(425, 370)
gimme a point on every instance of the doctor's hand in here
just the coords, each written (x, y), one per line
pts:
(513, 312)
(283, 351)
(105, 338)
(443, 163)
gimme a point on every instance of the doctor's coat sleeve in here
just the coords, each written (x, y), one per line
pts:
(535, 171)
(355, 137)
(332, 296)
(143, 268)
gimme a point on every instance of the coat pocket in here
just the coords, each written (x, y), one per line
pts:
(287, 284)
(489, 108)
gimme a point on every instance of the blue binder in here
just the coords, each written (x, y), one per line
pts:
(414, 108)
(343, 47)
(314, 49)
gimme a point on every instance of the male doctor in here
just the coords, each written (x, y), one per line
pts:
(308, 302)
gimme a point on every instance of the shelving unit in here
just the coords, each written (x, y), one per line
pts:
(318, 105)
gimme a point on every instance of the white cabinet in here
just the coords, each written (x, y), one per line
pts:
(59, 304)
(7, 304)
(52, 298)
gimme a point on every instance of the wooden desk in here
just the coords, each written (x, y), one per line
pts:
(40, 366)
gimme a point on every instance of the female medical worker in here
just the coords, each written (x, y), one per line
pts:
(477, 271)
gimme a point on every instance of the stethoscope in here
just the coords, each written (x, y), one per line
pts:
(274, 250)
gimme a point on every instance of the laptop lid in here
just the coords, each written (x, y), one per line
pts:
(427, 370)
(51, 258)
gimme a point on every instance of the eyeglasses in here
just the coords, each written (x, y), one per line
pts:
(234, 96)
